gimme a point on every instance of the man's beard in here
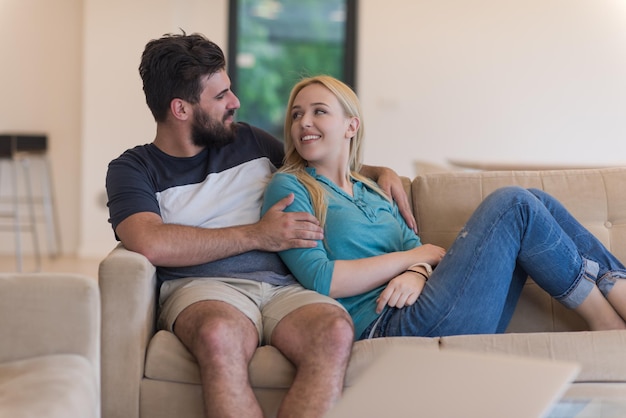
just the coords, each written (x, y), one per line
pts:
(208, 133)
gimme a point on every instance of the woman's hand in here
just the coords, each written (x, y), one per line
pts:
(428, 253)
(390, 183)
(403, 290)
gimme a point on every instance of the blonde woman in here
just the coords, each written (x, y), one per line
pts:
(378, 269)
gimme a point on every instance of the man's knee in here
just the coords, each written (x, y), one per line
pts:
(337, 328)
(341, 326)
(209, 329)
(217, 334)
(316, 321)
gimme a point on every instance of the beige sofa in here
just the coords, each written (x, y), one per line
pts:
(50, 346)
(150, 374)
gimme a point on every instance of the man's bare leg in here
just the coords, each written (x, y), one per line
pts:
(317, 339)
(223, 341)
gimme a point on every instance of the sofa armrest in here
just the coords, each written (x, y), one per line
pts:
(49, 313)
(128, 291)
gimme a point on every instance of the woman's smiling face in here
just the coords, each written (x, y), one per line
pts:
(320, 129)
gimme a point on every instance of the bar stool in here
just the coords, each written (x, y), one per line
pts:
(18, 151)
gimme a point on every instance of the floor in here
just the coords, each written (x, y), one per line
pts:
(61, 264)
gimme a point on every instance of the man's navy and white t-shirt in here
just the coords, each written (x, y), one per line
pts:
(214, 189)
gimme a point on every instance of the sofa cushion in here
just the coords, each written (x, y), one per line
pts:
(54, 386)
(601, 354)
(168, 359)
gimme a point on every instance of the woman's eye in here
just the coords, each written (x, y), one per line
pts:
(320, 112)
(295, 116)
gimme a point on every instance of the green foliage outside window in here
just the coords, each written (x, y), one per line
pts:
(279, 42)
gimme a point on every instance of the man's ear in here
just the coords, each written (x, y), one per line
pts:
(180, 109)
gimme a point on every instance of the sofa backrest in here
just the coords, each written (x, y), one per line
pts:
(44, 314)
(443, 202)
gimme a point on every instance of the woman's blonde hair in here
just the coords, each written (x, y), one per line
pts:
(295, 164)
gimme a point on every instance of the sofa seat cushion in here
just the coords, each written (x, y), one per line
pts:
(601, 354)
(167, 359)
(52, 386)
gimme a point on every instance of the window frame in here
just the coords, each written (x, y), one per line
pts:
(349, 45)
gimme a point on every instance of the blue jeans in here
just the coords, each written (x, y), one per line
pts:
(513, 234)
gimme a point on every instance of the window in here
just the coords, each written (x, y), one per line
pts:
(274, 43)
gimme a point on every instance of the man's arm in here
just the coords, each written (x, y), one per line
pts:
(171, 245)
(391, 184)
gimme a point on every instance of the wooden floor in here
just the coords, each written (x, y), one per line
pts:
(61, 264)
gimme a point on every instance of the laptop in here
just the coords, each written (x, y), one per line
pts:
(417, 382)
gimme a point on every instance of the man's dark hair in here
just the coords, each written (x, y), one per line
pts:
(172, 66)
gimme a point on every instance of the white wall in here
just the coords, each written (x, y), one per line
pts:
(40, 89)
(535, 81)
(496, 80)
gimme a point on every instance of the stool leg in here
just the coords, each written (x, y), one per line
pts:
(30, 203)
(52, 229)
(17, 221)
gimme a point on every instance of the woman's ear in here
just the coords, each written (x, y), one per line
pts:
(353, 127)
(180, 109)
